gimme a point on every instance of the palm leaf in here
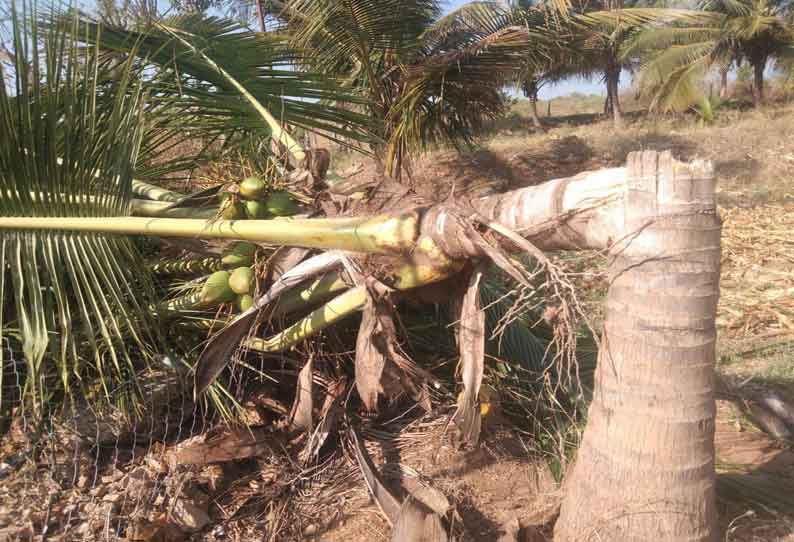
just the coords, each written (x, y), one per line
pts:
(338, 31)
(226, 80)
(71, 135)
(721, 31)
(672, 80)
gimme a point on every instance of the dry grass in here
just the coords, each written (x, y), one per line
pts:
(757, 298)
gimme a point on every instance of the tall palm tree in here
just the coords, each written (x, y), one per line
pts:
(600, 44)
(726, 31)
(426, 77)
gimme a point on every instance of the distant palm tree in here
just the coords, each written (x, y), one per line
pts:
(427, 77)
(592, 37)
(605, 41)
(725, 32)
(557, 62)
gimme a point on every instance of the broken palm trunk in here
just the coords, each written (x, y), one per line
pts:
(591, 210)
(422, 245)
(645, 468)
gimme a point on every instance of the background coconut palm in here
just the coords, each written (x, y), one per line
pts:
(427, 77)
(724, 32)
(592, 40)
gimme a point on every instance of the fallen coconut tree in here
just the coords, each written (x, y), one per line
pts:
(646, 466)
(656, 216)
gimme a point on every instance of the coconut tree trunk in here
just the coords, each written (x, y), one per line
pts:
(533, 100)
(613, 83)
(758, 81)
(645, 468)
(563, 214)
(724, 82)
(530, 88)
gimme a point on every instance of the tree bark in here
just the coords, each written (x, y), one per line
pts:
(724, 82)
(645, 468)
(758, 81)
(613, 83)
(533, 100)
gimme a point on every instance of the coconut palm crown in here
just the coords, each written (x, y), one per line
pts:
(725, 31)
(428, 77)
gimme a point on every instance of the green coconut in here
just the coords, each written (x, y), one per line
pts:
(280, 203)
(252, 188)
(256, 210)
(245, 302)
(241, 279)
(239, 253)
(233, 210)
(216, 289)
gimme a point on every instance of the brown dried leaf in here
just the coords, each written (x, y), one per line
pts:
(188, 515)
(471, 343)
(228, 446)
(500, 258)
(377, 348)
(416, 523)
(282, 260)
(329, 414)
(386, 501)
(416, 487)
(369, 358)
(301, 415)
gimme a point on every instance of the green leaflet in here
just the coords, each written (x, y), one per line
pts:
(72, 131)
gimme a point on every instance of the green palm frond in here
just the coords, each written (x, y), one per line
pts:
(469, 20)
(450, 96)
(673, 77)
(72, 132)
(720, 32)
(223, 79)
(520, 344)
(338, 31)
(668, 36)
(426, 77)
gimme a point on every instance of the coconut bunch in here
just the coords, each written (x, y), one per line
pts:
(227, 279)
(250, 198)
